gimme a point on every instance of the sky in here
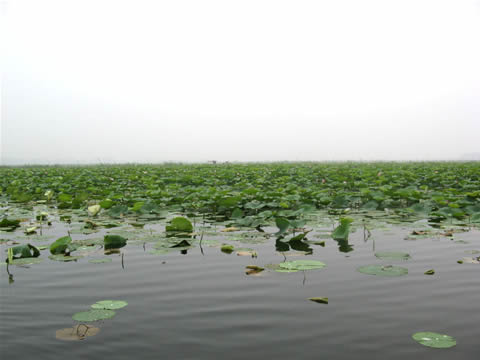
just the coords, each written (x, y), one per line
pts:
(100, 81)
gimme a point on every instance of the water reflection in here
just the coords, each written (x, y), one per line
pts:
(344, 246)
(297, 245)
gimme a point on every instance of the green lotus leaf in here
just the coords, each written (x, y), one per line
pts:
(5, 223)
(114, 241)
(109, 304)
(26, 261)
(392, 255)
(180, 224)
(106, 204)
(93, 315)
(342, 231)
(300, 265)
(383, 270)
(434, 340)
(64, 258)
(23, 251)
(237, 214)
(61, 246)
(227, 248)
(282, 225)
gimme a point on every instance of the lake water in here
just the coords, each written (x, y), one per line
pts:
(202, 305)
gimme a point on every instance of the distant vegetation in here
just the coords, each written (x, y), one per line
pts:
(439, 190)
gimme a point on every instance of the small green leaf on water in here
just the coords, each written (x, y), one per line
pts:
(23, 251)
(93, 315)
(114, 241)
(383, 270)
(341, 232)
(300, 265)
(64, 258)
(109, 304)
(5, 223)
(392, 255)
(434, 340)
(26, 261)
(61, 246)
(228, 249)
(180, 224)
(31, 230)
(320, 300)
(282, 225)
(429, 272)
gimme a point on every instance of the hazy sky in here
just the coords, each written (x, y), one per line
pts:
(153, 81)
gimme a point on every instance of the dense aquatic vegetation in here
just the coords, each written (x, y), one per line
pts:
(243, 191)
(176, 207)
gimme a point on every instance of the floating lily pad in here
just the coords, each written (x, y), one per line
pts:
(100, 261)
(228, 249)
(26, 261)
(300, 265)
(93, 315)
(383, 270)
(341, 232)
(64, 258)
(392, 255)
(23, 251)
(109, 304)
(78, 332)
(62, 246)
(180, 224)
(434, 340)
(159, 251)
(114, 241)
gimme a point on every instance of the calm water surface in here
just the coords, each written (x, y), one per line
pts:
(203, 306)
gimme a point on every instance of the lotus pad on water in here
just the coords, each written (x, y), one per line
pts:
(93, 315)
(434, 340)
(392, 255)
(26, 261)
(300, 265)
(109, 304)
(383, 270)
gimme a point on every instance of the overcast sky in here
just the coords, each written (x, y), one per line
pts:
(260, 80)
